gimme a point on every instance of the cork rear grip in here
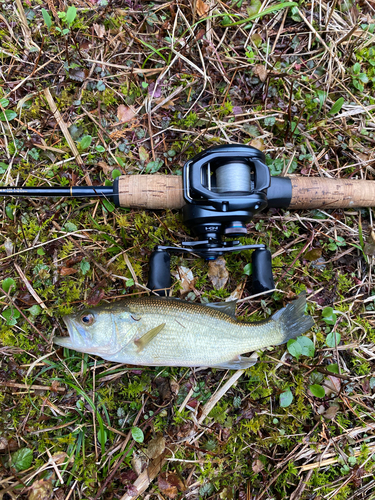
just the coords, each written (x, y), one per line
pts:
(320, 192)
(151, 191)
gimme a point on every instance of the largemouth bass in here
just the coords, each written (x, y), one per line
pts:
(157, 331)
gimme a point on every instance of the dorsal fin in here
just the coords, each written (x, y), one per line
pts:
(228, 308)
(146, 338)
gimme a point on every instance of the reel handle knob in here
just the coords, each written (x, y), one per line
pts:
(159, 278)
(262, 271)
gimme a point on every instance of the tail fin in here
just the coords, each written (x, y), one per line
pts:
(292, 319)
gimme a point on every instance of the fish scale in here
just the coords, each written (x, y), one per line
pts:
(193, 339)
(157, 331)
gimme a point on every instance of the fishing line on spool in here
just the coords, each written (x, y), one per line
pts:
(235, 177)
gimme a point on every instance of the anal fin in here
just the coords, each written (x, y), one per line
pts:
(241, 363)
(146, 338)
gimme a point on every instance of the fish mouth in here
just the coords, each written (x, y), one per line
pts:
(69, 342)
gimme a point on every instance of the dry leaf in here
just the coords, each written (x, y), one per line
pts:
(67, 271)
(218, 273)
(155, 447)
(167, 105)
(41, 490)
(105, 167)
(164, 388)
(369, 248)
(332, 385)
(185, 276)
(8, 245)
(97, 293)
(200, 34)
(153, 92)
(125, 113)
(139, 462)
(118, 134)
(59, 458)
(85, 45)
(169, 483)
(185, 430)
(78, 74)
(95, 297)
(127, 477)
(331, 412)
(11, 446)
(3, 443)
(99, 30)
(54, 386)
(258, 143)
(26, 298)
(237, 110)
(73, 260)
(237, 293)
(175, 386)
(313, 254)
(321, 409)
(132, 490)
(261, 72)
(257, 466)
(143, 154)
(256, 39)
(202, 8)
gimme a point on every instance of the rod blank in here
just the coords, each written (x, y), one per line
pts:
(44, 192)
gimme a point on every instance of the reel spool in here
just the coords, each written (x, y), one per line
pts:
(224, 187)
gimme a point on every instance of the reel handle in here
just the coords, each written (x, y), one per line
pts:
(159, 278)
(262, 271)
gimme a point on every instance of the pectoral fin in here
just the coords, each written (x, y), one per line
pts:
(146, 338)
(240, 363)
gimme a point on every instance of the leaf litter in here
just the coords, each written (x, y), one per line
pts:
(296, 83)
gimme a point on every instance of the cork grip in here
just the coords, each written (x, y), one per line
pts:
(151, 191)
(319, 192)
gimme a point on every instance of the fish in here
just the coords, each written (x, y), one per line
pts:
(165, 331)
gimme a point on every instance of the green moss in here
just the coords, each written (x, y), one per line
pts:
(345, 282)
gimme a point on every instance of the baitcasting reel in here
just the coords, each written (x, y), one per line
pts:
(224, 187)
(221, 189)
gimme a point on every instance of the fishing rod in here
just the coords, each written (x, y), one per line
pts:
(221, 189)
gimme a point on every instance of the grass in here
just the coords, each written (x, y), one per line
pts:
(142, 89)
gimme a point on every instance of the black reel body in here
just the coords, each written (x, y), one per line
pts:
(224, 187)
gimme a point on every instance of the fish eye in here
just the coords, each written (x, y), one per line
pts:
(87, 319)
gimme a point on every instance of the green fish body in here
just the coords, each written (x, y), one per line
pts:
(157, 331)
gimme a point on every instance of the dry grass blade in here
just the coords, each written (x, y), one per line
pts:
(64, 128)
(147, 476)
